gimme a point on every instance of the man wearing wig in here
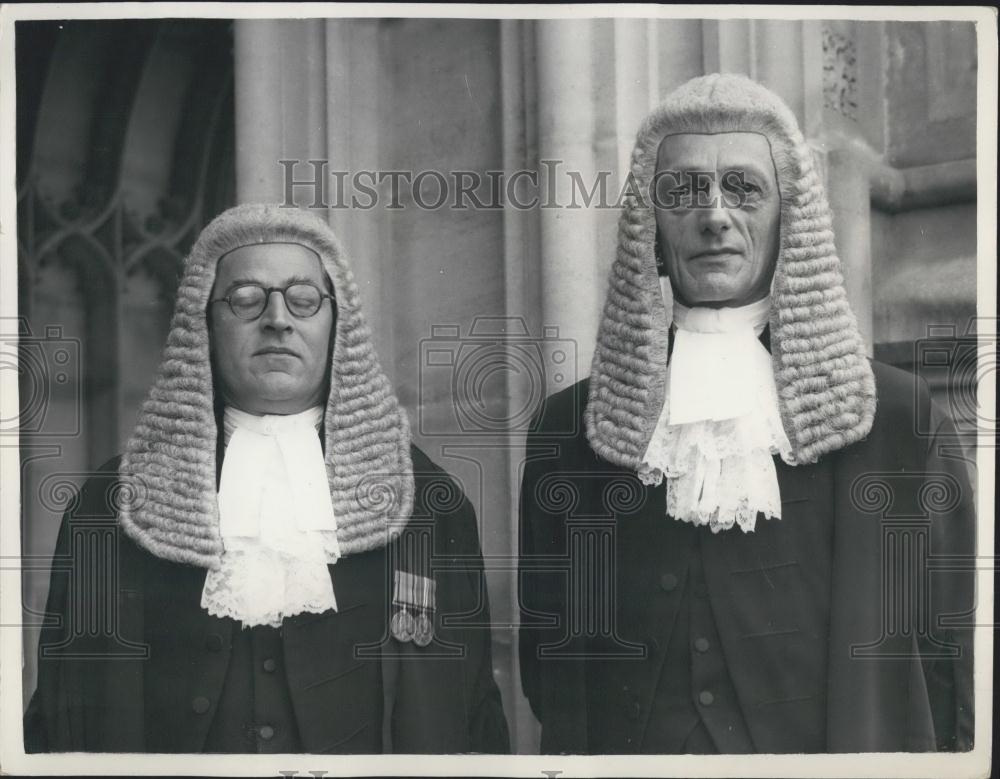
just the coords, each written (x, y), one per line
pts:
(276, 583)
(705, 488)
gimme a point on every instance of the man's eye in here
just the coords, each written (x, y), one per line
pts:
(746, 187)
(246, 296)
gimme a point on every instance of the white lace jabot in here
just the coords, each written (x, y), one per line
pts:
(719, 425)
(276, 521)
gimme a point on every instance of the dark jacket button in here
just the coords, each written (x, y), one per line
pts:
(270, 665)
(706, 698)
(200, 705)
(668, 582)
(701, 644)
(266, 732)
(213, 642)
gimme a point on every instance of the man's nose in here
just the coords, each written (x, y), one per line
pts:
(715, 217)
(276, 314)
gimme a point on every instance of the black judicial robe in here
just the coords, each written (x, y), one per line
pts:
(883, 675)
(130, 662)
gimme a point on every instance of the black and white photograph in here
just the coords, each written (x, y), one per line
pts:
(497, 390)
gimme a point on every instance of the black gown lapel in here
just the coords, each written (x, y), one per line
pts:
(333, 662)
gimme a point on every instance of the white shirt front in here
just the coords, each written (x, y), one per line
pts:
(276, 520)
(720, 424)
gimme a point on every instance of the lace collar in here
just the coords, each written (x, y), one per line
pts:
(277, 523)
(720, 423)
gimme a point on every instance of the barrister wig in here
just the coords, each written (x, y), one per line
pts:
(169, 466)
(825, 384)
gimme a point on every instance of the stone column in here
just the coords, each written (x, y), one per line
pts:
(280, 84)
(780, 61)
(306, 95)
(728, 46)
(837, 119)
(572, 285)
(848, 190)
(635, 83)
(354, 98)
(677, 53)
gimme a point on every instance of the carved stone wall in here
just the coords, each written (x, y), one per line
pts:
(840, 72)
(924, 259)
(930, 92)
(125, 150)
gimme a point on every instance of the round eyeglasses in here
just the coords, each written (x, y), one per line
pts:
(248, 301)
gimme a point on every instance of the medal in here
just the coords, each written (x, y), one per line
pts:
(424, 630)
(394, 626)
(414, 595)
(402, 625)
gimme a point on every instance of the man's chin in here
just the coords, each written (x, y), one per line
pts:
(279, 390)
(714, 296)
(280, 406)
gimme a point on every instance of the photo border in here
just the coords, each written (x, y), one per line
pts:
(975, 763)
